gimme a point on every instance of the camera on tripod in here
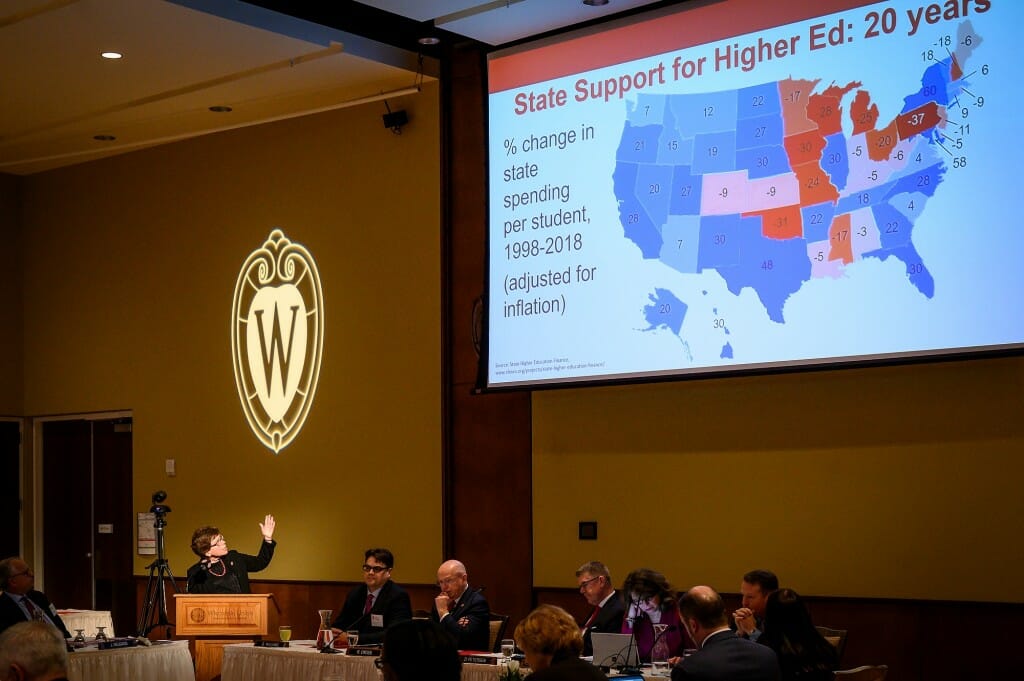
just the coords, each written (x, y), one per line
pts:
(158, 509)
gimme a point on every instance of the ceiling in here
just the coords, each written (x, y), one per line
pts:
(181, 57)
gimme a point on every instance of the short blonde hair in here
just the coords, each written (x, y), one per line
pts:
(549, 630)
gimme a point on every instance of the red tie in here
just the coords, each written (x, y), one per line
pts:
(593, 616)
(369, 603)
(32, 612)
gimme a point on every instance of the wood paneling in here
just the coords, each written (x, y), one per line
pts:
(918, 640)
(488, 521)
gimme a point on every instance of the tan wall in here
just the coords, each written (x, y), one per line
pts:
(10, 298)
(890, 481)
(130, 267)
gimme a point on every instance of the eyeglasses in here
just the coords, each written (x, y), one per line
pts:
(586, 582)
(448, 580)
(375, 569)
(219, 541)
(23, 572)
(379, 663)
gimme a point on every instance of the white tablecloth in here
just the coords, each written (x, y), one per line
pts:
(302, 662)
(161, 662)
(87, 621)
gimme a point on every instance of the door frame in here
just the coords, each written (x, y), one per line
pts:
(22, 530)
(37, 478)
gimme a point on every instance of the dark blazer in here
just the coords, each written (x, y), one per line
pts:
(201, 580)
(727, 656)
(609, 620)
(475, 634)
(11, 614)
(392, 603)
(568, 667)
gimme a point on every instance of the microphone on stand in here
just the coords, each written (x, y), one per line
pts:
(638, 616)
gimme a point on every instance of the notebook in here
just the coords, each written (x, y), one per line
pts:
(614, 650)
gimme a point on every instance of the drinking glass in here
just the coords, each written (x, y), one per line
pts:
(353, 637)
(284, 632)
(79, 636)
(101, 634)
(508, 646)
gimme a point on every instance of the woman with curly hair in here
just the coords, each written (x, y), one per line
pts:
(650, 600)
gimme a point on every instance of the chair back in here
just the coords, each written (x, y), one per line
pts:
(869, 672)
(837, 637)
(498, 624)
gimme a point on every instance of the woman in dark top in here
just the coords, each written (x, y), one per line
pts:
(220, 571)
(804, 654)
(551, 642)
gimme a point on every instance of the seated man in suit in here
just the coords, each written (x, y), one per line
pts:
(756, 587)
(375, 605)
(461, 611)
(33, 651)
(20, 601)
(723, 655)
(595, 583)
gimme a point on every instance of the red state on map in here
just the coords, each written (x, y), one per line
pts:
(780, 223)
(882, 142)
(863, 113)
(955, 72)
(794, 95)
(804, 147)
(924, 117)
(840, 243)
(825, 110)
(815, 184)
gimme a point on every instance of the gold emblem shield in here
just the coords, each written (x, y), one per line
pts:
(277, 338)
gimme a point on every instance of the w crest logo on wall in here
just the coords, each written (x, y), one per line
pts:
(277, 338)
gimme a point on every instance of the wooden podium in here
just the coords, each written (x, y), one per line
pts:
(212, 617)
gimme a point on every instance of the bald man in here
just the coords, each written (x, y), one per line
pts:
(461, 611)
(723, 656)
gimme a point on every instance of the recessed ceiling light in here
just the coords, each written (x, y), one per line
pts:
(220, 109)
(104, 138)
(429, 40)
(111, 55)
(595, 3)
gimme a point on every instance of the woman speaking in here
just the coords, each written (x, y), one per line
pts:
(220, 571)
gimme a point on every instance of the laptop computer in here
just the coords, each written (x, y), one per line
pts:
(614, 650)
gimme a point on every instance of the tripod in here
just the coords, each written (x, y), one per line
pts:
(156, 594)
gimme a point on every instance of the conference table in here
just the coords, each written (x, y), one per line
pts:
(301, 661)
(164, 661)
(87, 621)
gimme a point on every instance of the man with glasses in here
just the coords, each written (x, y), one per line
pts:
(20, 601)
(595, 583)
(461, 611)
(375, 605)
(224, 571)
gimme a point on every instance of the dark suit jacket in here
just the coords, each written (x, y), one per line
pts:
(609, 620)
(11, 614)
(567, 667)
(392, 603)
(727, 656)
(200, 580)
(475, 634)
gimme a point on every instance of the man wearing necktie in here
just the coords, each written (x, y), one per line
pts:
(595, 583)
(20, 601)
(461, 611)
(376, 604)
